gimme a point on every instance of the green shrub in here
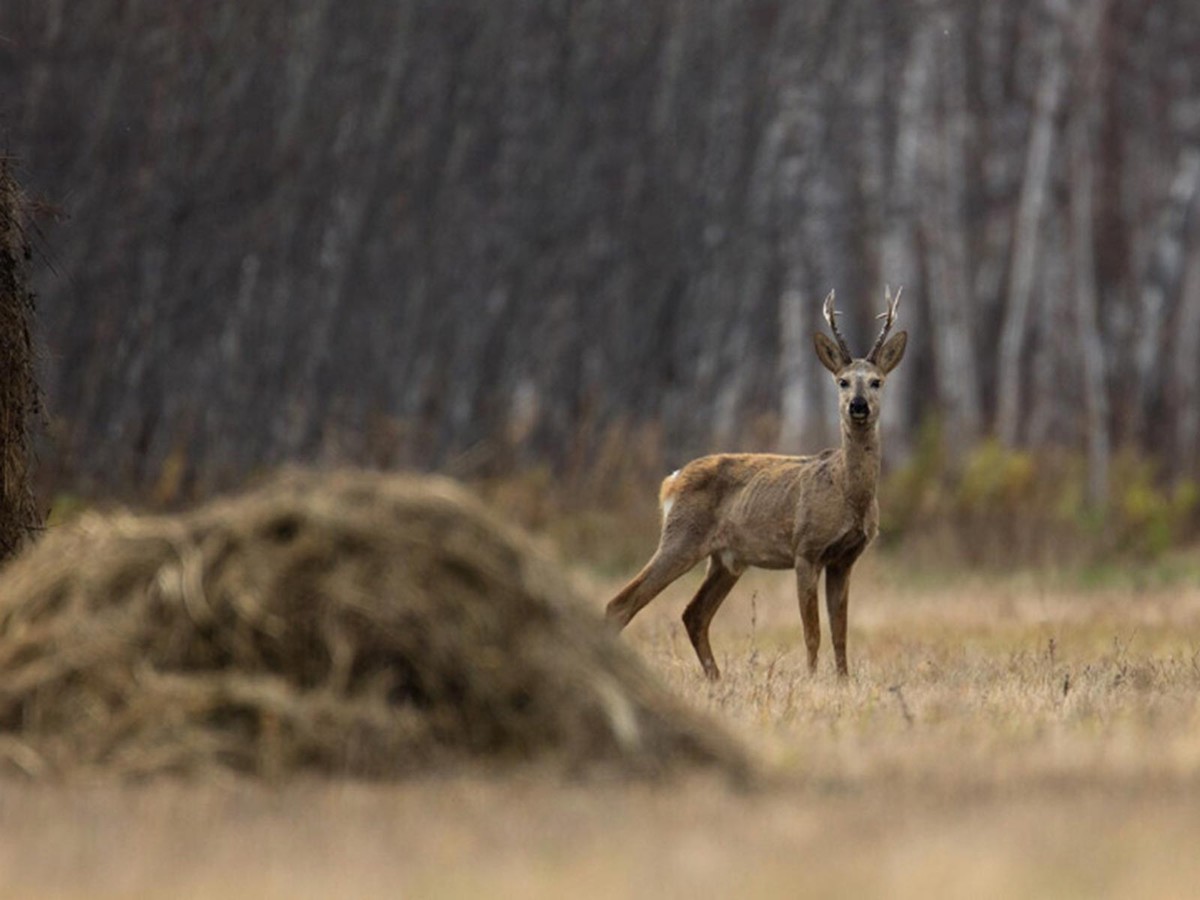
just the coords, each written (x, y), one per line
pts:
(999, 506)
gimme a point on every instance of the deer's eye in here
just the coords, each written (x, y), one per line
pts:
(843, 383)
(875, 383)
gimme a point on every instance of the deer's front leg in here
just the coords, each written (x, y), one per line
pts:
(806, 589)
(837, 602)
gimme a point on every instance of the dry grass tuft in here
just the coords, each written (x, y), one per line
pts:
(348, 622)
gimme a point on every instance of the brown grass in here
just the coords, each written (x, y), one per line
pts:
(973, 686)
(999, 737)
(997, 782)
(346, 623)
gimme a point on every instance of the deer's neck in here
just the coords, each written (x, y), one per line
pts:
(861, 456)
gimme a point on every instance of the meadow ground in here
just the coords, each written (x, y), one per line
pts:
(1000, 736)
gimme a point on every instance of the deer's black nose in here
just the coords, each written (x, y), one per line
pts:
(859, 408)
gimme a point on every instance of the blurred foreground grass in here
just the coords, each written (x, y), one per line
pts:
(1000, 736)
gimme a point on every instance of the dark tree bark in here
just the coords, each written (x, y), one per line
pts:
(20, 396)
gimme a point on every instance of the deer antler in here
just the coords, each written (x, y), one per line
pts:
(831, 315)
(889, 318)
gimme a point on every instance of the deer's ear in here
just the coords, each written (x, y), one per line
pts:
(828, 353)
(892, 352)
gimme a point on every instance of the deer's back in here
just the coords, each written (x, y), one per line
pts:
(749, 506)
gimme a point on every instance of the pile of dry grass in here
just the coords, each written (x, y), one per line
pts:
(19, 395)
(344, 622)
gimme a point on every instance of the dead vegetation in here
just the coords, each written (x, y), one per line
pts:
(1002, 738)
(965, 684)
(347, 622)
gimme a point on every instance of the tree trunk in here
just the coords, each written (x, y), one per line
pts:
(1185, 370)
(796, 407)
(1160, 286)
(1026, 237)
(899, 261)
(944, 232)
(20, 398)
(1081, 150)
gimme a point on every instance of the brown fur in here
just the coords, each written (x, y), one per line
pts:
(808, 513)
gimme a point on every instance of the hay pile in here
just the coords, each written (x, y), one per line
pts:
(20, 399)
(345, 622)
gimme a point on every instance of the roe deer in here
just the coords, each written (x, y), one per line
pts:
(779, 512)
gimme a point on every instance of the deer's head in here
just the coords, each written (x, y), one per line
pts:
(860, 381)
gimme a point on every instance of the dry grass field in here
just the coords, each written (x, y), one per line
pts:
(999, 737)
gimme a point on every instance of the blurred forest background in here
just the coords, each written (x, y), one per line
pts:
(591, 237)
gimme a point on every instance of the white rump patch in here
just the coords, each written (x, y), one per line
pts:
(669, 501)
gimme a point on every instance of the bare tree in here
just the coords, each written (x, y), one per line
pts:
(1160, 284)
(1081, 152)
(944, 232)
(1027, 227)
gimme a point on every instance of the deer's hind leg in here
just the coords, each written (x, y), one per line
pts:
(671, 560)
(700, 611)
